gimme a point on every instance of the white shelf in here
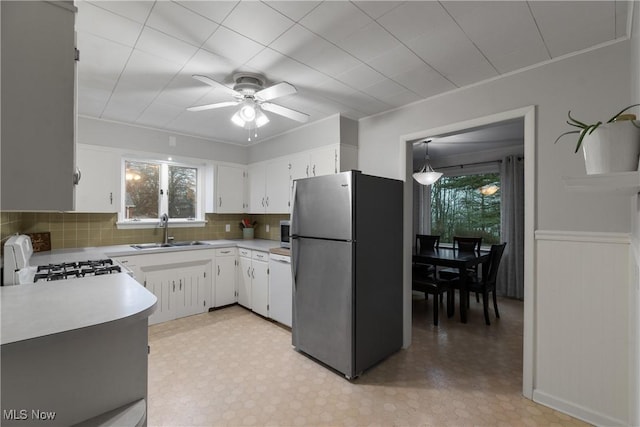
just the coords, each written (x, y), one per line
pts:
(627, 183)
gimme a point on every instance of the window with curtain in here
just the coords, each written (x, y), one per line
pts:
(466, 205)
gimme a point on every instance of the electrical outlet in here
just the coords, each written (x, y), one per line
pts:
(227, 228)
(267, 228)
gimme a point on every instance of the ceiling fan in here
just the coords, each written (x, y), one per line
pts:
(252, 97)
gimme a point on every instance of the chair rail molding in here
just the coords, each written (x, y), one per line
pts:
(583, 236)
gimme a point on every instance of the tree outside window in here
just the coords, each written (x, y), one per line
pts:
(459, 208)
(147, 184)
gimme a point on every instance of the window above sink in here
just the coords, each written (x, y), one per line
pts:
(151, 187)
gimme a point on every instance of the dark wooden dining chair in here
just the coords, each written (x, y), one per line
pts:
(487, 283)
(425, 243)
(463, 244)
(429, 285)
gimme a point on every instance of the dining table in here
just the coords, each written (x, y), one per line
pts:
(454, 258)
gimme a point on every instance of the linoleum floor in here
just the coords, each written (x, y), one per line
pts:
(231, 367)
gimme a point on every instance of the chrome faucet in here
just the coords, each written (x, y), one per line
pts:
(164, 223)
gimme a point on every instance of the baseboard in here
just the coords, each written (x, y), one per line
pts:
(576, 411)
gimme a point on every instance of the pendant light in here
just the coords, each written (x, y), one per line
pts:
(427, 175)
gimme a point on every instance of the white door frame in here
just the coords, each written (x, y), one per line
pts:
(406, 169)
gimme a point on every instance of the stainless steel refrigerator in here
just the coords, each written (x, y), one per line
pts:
(346, 243)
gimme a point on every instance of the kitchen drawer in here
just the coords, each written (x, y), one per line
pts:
(260, 256)
(226, 252)
(244, 252)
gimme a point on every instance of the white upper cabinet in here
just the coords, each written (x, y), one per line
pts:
(271, 182)
(277, 183)
(257, 188)
(38, 105)
(99, 187)
(324, 161)
(230, 189)
(268, 187)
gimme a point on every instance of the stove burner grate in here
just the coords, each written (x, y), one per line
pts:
(68, 270)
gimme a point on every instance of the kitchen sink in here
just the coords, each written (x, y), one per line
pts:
(191, 243)
(167, 245)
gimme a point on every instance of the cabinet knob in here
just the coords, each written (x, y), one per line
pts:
(77, 175)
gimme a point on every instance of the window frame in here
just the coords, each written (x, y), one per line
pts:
(198, 221)
(487, 168)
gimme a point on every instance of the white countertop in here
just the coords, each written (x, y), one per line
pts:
(46, 308)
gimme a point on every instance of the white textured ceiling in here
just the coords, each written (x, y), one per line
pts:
(356, 58)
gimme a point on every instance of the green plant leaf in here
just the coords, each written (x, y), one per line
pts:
(566, 133)
(593, 127)
(582, 135)
(575, 125)
(582, 125)
(616, 116)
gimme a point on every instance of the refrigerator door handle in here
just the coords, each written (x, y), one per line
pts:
(294, 260)
(292, 229)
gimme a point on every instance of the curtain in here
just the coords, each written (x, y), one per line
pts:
(510, 282)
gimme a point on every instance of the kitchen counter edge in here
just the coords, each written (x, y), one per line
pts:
(34, 311)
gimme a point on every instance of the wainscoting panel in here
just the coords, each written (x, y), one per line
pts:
(583, 285)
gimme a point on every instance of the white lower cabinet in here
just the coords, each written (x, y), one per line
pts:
(181, 281)
(253, 281)
(225, 281)
(260, 283)
(244, 277)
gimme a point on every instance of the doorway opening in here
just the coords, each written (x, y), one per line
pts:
(526, 118)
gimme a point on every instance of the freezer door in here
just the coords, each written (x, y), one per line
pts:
(323, 301)
(322, 207)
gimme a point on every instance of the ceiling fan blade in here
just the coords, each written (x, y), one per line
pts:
(275, 91)
(217, 85)
(286, 112)
(212, 106)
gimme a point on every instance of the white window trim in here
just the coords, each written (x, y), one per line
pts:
(149, 223)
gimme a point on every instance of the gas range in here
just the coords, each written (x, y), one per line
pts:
(18, 271)
(71, 270)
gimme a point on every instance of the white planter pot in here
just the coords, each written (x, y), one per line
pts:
(612, 147)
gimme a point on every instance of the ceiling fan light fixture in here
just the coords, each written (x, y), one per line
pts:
(248, 112)
(261, 118)
(237, 120)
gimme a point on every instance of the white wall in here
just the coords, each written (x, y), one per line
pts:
(111, 134)
(592, 85)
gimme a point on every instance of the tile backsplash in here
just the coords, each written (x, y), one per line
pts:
(77, 230)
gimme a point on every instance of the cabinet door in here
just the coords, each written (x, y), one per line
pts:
(244, 282)
(257, 188)
(161, 283)
(260, 287)
(225, 288)
(299, 168)
(38, 105)
(191, 290)
(324, 162)
(98, 189)
(277, 182)
(230, 189)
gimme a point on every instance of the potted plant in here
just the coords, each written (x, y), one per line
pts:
(613, 146)
(247, 228)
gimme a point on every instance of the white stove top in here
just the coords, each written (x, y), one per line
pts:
(18, 269)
